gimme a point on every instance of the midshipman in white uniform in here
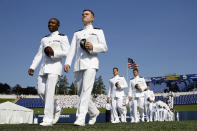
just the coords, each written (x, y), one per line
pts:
(155, 113)
(86, 44)
(52, 49)
(160, 110)
(168, 114)
(124, 109)
(149, 98)
(116, 97)
(136, 95)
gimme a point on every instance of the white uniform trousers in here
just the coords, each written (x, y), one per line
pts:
(117, 106)
(170, 115)
(165, 115)
(114, 110)
(150, 111)
(156, 115)
(138, 102)
(155, 112)
(146, 110)
(160, 114)
(131, 111)
(84, 81)
(122, 109)
(124, 114)
(46, 91)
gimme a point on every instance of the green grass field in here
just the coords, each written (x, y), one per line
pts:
(4, 100)
(185, 108)
(151, 126)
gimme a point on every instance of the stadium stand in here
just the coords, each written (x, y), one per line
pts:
(158, 88)
(185, 99)
(30, 102)
(175, 83)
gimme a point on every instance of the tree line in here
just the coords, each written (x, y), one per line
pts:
(62, 88)
(17, 89)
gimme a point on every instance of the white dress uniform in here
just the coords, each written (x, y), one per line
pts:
(137, 96)
(167, 113)
(131, 111)
(148, 94)
(160, 110)
(116, 98)
(170, 115)
(50, 70)
(155, 113)
(85, 68)
(124, 111)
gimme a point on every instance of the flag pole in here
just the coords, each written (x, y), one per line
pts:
(127, 74)
(127, 71)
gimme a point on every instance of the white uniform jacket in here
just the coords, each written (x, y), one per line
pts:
(113, 91)
(60, 46)
(133, 92)
(149, 94)
(165, 106)
(160, 104)
(86, 60)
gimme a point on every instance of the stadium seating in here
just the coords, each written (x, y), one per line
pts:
(185, 100)
(158, 88)
(30, 102)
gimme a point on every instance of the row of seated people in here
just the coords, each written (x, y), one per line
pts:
(70, 101)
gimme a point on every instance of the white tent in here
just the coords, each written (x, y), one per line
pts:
(11, 113)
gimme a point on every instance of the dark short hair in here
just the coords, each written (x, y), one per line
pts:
(89, 11)
(159, 98)
(115, 68)
(135, 70)
(58, 22)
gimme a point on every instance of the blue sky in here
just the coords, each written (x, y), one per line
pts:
(159, 34)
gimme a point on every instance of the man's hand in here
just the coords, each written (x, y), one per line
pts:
(148, 99)
(31, 72)
(66, 68)
(130, 98)
(89, 46)
(138, 87)
(108, 100)
(49, 51)
(118, 86)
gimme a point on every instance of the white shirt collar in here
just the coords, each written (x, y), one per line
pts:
(88, 27)
(137, 76)
(116, 76)
(54, 33)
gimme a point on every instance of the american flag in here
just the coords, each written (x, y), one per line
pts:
(132, 64)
